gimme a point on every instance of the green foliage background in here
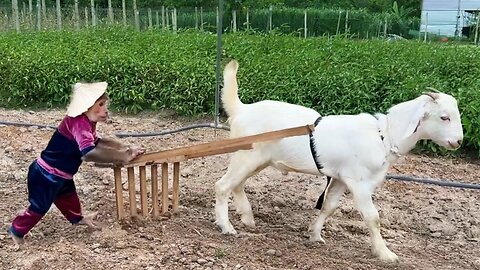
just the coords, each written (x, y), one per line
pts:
(151, 70)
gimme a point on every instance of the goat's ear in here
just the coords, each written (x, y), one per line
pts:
(415, 119)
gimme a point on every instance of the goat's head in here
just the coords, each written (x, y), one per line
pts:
(437, 118)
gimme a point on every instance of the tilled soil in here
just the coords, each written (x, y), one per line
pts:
(427, 226)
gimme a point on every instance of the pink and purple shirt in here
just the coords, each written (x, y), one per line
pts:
(74, 137)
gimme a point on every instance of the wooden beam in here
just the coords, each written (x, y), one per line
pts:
(131, 191)
(176, 186)
(218, 147)
(164, 188)
(154, 176)
(143, 191)
(117, 173)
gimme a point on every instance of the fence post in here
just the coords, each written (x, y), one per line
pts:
(305, 24)
(150, 24)
(163, 17)
(346, 23)
(59, 15)
(94, 17)
(157, 20)
(44, 9)
(196, 18)
(167, 18)
(86, 17)
(174, 20)
(476, 27)
(248, 19)
(135, 14)
(76, 16)
(270, 26)
(234, 20)
(30, 11)
(110, 12)
(338, 23)
(385, 27)
(426, 27)
(201, 18)
(124, 13)
(15, 16)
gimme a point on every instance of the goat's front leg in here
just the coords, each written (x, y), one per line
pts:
(362, 197)
(333, 194)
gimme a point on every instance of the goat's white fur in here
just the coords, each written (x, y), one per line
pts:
(349, 147)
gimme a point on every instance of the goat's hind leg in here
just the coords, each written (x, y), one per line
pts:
(333, 194)
(242, 165)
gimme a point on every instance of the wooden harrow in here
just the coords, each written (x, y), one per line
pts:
(162, 159)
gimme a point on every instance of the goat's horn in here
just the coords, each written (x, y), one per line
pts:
(433, 95)
(432, 89)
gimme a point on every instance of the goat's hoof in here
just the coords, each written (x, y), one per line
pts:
(248, 221)
(317, 238)
(229, 231)
(388, 256)
(226, 228)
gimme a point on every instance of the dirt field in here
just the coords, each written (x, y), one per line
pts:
(428, 227)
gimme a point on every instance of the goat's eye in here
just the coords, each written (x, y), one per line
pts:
(445, 118)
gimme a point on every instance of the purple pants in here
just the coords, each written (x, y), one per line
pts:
(43, 190)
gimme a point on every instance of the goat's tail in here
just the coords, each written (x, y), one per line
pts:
(230, 99)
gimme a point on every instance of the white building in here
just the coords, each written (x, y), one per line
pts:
(447, 17)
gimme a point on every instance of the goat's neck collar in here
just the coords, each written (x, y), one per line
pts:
(391, 148)
(395, 146)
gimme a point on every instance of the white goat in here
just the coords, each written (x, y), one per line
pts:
(354, 151)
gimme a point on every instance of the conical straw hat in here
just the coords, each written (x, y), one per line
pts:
(84, 96)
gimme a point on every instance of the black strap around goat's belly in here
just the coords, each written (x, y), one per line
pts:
(313, 150)
(322, 196)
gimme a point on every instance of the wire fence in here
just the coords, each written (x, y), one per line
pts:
(32, 16)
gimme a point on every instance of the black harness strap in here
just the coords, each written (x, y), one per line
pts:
(322, 196)
(319, 165)
(312, 147)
